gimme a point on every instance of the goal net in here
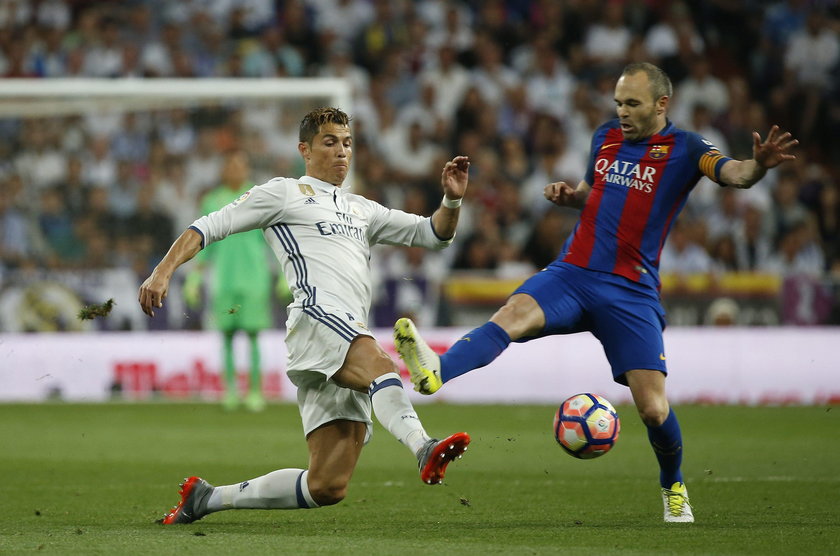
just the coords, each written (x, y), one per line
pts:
(99, 176)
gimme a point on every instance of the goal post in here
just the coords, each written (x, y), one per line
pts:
(44, 97)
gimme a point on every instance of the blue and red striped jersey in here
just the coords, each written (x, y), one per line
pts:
(638, 189)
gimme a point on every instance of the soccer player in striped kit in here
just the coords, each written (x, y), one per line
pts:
(322, 233)
(605, 280)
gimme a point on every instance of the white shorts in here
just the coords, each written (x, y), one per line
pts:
(318, 341)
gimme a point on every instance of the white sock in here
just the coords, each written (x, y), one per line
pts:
(394, 410)
(284, 489)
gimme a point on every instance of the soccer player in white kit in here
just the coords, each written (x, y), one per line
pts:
(322, 233)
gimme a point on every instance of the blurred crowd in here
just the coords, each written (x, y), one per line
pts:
(517, 85)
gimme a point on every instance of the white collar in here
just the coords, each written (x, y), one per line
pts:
(322, 185)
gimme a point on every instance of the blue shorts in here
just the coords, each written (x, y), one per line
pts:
(627, 318)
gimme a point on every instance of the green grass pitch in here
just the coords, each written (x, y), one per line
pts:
(91, 479)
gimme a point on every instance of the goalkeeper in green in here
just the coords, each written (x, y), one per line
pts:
(240, 284)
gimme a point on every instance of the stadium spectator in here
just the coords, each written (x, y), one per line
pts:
(450, 24)
(723, 311)
(753, 246)
(553, 159)
(798, 253)
(349, 376)
(701, 87)
(54, 14)
(281, 58)
(546, 238)
(340, 64)
(177, 132)
(344, 19)
(131, 139)
(73, 188)
(17, 245)
(449, 79)
(724, 217)
(788, 211)
(723, 255)
(607, 41)
(99, 167)
(174, 193)
(105, 58)
(409, 286)
(413, 156)
(124, 193)
(828, 222)
(492, 78)
(548, 83)
(157, 55)
(610, 251)
(422, 111)
(63, 248)
(99, 210)
(810, 59)
(513, 163)
(683, 256)
(705, 193)
(147, 220)
(39, 161)
(673, 40)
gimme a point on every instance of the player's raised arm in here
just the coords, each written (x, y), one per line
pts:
(562, 194)
(766, 154)
(156, 286)
(453, 179)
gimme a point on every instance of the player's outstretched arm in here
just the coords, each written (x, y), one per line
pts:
(767, 154)
(154, 289)
(454, 180)
(562, 194)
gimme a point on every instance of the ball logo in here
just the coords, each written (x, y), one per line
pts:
(586, 426)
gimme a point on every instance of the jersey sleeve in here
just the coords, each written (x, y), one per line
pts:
(255, 209)
(708, 157)
(396, 227)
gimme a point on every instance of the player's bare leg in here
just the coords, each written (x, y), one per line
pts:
(648, 389)
(334, 450)
(368, 368)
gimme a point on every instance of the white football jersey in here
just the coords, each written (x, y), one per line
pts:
(322, 236)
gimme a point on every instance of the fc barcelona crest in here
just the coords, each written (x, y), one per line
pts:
(659, 151)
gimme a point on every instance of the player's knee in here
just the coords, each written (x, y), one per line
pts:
(328, 493)
(653, 414)
(383, 363)
(519, 317)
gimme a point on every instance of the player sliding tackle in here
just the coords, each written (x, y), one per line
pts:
(322, 233)
(606, 280)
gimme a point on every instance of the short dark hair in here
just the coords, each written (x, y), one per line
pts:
(660, 84)
(312, 122)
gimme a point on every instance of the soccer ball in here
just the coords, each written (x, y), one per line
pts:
(586, 426)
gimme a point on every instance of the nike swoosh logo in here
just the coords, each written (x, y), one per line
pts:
(608, 145)
(662, 356)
